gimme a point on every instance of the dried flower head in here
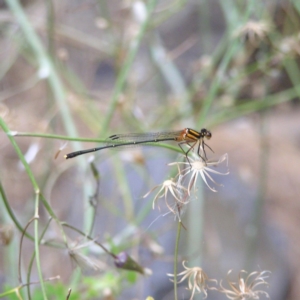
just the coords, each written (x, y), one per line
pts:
(253, 32)
(197, 280)
(197, 166)
(178, 192)
(246, 288)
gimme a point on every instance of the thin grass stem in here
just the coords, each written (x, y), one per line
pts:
(176, 259)
(123, 74)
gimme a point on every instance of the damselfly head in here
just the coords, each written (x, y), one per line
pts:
(206, 133)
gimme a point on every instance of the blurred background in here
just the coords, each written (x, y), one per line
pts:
(89, 69)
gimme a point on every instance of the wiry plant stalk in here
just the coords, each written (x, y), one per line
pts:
(176, 259)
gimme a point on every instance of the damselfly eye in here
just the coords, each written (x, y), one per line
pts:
(206, 133)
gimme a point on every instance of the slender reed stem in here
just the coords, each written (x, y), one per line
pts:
(123, 75)
(32, 259)
(11, 213)
(48, 71)
(37, 244)
(256, 222)
(176, 259)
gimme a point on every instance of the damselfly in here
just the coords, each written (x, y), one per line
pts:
(186, 136)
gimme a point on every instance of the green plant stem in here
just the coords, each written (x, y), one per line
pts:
(27, 168)
(231, 50)
(50, 27)
(121, 177)
(254, 106)
(256, 221)
(121, 80)
(20, 249)
(10, 250)
(204, 27)
(47, 70)
(15, 220)
(94, 199)
(216, 83)
(176, 259)
(56, 137)
(38, 197)
(167, 67)
(12, 291)
(11, 213)
(195, 229)
(171, 11)
(233, 16)
(32, 260)
(293, 72)
(67, 138)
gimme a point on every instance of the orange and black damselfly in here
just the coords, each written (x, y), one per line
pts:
(186, 136)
